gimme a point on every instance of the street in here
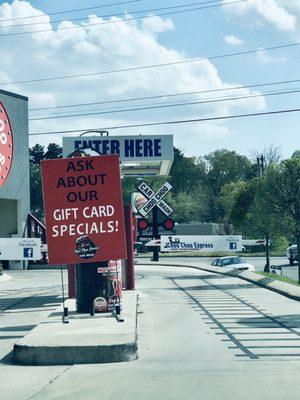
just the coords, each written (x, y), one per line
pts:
(258, 262)
(199, 335)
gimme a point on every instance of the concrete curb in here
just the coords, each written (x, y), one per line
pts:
(85, 340)
(283, 288)
(69, 355)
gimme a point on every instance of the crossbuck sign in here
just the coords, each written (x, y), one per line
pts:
(155, 198)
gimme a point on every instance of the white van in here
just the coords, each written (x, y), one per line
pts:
(291, 254)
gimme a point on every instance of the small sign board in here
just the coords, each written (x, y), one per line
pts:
(84, 209)
(209, 243)
(20, 249)
(137, 201)
(155, 199)
(148, 193)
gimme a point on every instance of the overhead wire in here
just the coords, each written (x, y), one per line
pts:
(110, 15)
(209, 101)
(73, 10)
(174, 122)
(167, 95)
(143, 67)
(122, 20)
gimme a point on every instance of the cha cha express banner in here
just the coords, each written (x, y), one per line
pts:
(206, 244)
(84, 210)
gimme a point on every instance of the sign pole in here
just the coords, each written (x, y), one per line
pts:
(130, 252)
(155, 233)
(65, 312)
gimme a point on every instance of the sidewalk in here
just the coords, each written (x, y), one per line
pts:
(84, 340)
(5, 278)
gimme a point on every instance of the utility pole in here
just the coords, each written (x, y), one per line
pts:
(260, 160)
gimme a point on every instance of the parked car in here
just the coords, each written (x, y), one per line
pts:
(292, 253)
(233, 263)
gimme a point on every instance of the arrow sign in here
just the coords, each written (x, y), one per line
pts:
(155, 199)
(149, 194)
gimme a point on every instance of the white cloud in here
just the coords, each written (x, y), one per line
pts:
(265, 57)
(105, 47)
(233, 40)
(273, 11)
(156, 24)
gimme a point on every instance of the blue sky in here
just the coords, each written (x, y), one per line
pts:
(231, 28)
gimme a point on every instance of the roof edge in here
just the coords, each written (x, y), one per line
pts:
(18, 96)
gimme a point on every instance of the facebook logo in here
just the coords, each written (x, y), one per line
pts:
(232, 245)
(27, 252)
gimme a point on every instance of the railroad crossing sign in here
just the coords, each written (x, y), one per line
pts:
(155, 199)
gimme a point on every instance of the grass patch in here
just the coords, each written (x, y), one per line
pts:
(280, 278)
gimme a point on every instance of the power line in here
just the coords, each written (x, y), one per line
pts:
(112, 15)
(74, 10)
(185, 121)
(226, 55)
(255, 85)
(166, 105)
(122, 20)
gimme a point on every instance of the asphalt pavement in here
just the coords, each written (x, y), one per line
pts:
(258, 262)
(200, 335)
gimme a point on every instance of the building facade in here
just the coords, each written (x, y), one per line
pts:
(14, 165)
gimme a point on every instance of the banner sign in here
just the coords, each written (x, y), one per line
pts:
(84, 209)
(20, 249)
(129, 148)
(210, 243)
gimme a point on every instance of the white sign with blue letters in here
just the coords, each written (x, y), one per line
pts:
(208, 243)
(129, 148)
(20, 249)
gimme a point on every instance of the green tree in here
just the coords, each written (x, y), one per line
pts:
(223, 167)
(282, 191)
(228, 197)
(36, 197)
(296, 154)
(187, 173)
(53, 151)
(189, 207)
(36, 154)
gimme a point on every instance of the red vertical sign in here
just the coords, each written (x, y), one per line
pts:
(84, 210)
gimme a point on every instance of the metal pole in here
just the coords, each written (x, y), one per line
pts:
(71, 281)
(63, 296)
(155, 233)
(261, 169)
(129, 273)
(267, 266)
